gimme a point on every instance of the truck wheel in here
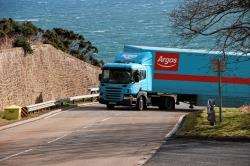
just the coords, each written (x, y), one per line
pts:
(167, 103)
(110, 106)
(145, 106)
(140, 103)
(162, 103)
(171, 103)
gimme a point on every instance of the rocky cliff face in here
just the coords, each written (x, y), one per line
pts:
(45, 75)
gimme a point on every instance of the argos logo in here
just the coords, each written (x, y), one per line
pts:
(166, 61)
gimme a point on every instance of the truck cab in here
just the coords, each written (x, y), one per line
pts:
(126, 80)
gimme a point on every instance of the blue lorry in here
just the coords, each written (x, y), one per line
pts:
(141, 76)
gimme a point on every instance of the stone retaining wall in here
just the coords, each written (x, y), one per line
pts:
(45, 75)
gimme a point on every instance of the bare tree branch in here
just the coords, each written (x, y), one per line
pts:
(227, 20)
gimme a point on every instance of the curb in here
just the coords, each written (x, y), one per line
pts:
(176, 127)
(167, 137)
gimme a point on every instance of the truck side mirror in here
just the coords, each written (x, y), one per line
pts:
(100, 77)
(137, 76)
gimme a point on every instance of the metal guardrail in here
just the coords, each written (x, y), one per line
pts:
(94, 93)
(77, 98)
(48, 104)
(93, 90)
(43, 105)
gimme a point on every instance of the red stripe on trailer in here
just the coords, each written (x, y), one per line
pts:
(199, 78)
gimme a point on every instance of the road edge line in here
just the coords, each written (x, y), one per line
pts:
(18, 123)
(5, 127)
(167, 137)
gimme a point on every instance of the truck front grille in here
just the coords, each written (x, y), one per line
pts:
(113, 94)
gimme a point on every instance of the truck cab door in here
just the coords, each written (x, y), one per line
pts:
(140, 80)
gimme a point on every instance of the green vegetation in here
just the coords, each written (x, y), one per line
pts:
(72, 43)
(21, 41)
(235, 124)
(62, 39)
(9, 28)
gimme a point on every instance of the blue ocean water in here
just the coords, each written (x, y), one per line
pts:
(108, 24)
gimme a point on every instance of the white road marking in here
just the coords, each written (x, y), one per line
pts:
(89, 125)
(57, 138)
(57, 113)
(14, 155)
(52, 115)
(105, 119)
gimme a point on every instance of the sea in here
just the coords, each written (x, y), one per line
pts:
(108, 24)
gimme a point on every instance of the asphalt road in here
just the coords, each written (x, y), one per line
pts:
(191, 152)
(88, 135)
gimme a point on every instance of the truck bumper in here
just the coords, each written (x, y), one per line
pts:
(125, 102)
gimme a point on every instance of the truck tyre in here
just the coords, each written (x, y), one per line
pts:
(110, 106)
(167, 103)
(145, 106)
(172, 103)
(140, 103)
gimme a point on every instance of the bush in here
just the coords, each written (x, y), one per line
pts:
(63, 39)
(28, 29)
(51, 37)
(11, 27)
(2, 34)
(21, 41)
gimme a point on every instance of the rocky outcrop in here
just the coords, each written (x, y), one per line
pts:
(46, 74)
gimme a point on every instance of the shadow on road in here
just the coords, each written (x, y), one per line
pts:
(100, 107)
(201, 152)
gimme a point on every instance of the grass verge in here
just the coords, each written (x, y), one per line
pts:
(235, 124)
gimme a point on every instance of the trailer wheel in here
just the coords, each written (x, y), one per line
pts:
(171, 103)
(163, 103)
(167, 103)
(140, 103)
(110, 106)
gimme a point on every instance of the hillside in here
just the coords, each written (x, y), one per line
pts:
(46, 74)
(24, 34)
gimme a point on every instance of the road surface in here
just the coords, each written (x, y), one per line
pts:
(87, 135)
(194, 152)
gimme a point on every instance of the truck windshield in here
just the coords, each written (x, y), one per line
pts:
(116, 76)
